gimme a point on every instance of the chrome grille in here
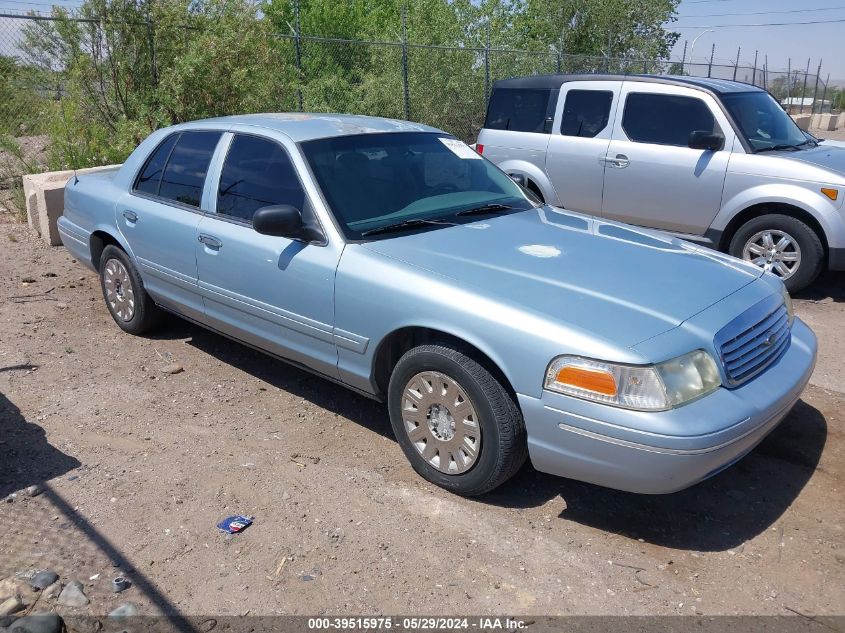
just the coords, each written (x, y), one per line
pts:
(754, 340)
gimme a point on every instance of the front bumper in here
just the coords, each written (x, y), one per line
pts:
(611, 447)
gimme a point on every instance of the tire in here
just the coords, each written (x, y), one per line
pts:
(810, 252)
(482, 406)
(129, 305)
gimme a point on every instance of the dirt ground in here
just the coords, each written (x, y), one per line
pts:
(140, 465)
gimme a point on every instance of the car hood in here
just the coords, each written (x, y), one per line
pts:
(611, 280)
(825, 155)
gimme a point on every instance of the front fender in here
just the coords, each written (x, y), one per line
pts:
(824, 211)
(535, 174)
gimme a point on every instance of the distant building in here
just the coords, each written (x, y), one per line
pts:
(796, 105)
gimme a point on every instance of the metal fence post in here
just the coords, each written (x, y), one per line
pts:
(788, 83)
(560, 55)
(754, 74)
(297, 44)
(736, 64)
(816, 90)
(151, 44)
(824, 95)
(766, 73)
(804, 89)
(710, 65)
(487, 63)
(684, 57)
(406, 93)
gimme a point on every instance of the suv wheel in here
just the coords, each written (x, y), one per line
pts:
(455, 422)
(782, 245)
(130, 306)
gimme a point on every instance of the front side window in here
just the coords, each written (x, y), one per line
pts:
(184, 175)
(666, 119)
(762, 121)
(257, 173)
(586, 112)
(520, 109)
(372, 181)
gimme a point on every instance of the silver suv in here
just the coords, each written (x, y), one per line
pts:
(714, 162)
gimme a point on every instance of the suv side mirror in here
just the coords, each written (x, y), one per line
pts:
(284, 220)
(710, 141)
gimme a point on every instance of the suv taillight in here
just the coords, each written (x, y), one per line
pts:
(479, 148)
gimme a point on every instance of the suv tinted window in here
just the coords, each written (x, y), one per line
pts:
(184, 174)
(520, 110)
(665, 119)
(150, 177)
(257, 173)
(585, 112)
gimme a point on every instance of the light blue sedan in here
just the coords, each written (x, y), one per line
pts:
(391, 258)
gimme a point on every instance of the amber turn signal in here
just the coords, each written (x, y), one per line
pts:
(833, 194)
(589, 379)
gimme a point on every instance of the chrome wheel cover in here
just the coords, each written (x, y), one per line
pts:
(773, 251)
(120, 295)
(441, 422)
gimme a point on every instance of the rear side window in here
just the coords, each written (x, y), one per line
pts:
(665, 119)
(521, 110)
(184, 174)
(257, 173)
(586, 112)
(150, 177)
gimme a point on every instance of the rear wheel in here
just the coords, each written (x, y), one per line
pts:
(782, 245)
(129, 305)
(455, 422)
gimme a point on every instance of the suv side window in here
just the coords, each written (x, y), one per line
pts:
(183, 176)
(521, 109)
(257, 173)
(585, 112)
(665, 119)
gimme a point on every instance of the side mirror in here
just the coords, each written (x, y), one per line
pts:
(281, 220)
(710, 141)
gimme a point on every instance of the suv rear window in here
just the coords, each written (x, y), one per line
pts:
(521, 110)
(585, 112)
(665, 119)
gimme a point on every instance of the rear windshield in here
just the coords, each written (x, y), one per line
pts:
(521, 110)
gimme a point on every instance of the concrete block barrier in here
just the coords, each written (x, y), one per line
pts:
(45, 200)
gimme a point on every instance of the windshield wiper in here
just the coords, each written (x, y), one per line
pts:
(778, 148)
(486, 209)
(405, 224)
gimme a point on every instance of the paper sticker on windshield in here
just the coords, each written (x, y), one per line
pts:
(459, 148)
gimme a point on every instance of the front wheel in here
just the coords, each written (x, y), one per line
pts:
(782, 245)
(456, 423)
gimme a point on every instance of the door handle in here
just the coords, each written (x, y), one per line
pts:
(211, 242)
(130, 216)
(620, 161)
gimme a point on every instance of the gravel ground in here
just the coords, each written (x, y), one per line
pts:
(140, 465)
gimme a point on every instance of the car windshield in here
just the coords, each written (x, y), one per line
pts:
(762, 121)
(376, 183)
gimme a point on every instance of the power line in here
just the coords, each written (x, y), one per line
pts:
(729, 26)
(719, 15)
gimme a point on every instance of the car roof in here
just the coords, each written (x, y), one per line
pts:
(306, 126)
(716, 86)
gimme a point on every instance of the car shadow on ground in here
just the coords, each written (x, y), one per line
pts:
(715, 515)
(281, 375)
(829, 285)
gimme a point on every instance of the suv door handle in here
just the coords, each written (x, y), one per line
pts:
(210, 241)
(130, 216)
(620, 161)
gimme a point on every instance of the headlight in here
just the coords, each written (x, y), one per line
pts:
(790, 311)
(643, 387)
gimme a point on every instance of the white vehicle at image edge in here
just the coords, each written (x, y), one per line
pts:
(711, 161)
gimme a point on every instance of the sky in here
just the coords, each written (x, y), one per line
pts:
(823, 42)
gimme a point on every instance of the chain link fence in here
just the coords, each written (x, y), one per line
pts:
(443, 86)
